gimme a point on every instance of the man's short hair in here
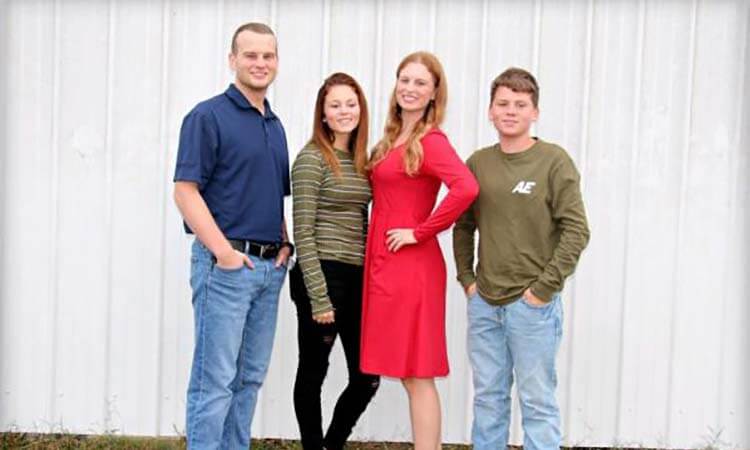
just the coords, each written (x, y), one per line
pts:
(517, 80)
(255, 27)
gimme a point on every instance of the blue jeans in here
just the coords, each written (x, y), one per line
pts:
(522, 339)
(235, 321)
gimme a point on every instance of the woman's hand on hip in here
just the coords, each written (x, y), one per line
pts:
(399, 237)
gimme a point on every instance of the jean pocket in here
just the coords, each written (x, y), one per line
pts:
(538, 307)
(281, 271)
(229, 271)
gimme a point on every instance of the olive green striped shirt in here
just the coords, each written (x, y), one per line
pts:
(330, 218)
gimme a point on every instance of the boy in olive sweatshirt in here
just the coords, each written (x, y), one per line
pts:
(532, 228)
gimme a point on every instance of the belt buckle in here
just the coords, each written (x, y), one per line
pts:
(263, 248)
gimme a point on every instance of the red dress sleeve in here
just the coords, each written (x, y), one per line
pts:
(441, 161)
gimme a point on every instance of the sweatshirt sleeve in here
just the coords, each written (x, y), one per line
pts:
(440, 160)
(570, 216)
(307, 177)
(463, 243)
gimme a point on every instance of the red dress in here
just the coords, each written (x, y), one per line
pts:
(403, 305)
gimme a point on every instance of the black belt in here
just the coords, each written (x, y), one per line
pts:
(255, 248)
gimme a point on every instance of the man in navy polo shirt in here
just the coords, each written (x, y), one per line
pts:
(231, 178)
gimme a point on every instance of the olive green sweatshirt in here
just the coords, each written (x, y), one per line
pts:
(531, 221)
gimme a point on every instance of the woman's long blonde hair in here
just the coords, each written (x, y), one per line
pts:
(432, 117)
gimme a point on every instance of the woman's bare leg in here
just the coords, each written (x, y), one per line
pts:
(424, 410)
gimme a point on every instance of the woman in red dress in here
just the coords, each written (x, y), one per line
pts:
(403, 317)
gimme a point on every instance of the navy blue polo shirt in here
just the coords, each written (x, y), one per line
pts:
(239, 159)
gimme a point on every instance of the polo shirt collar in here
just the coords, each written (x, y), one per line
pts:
(241, 102)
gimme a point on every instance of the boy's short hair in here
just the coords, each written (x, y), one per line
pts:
(517, 80)
(255, 27)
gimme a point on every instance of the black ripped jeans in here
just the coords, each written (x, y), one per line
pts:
(344, 282)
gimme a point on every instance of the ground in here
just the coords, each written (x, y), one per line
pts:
(68, 441)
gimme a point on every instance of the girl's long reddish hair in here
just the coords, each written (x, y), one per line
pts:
(323, 135)
(433, 115)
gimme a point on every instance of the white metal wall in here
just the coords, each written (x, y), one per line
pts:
(649, 97)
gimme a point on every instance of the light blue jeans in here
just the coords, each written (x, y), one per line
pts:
(235, 322)
(522, 339)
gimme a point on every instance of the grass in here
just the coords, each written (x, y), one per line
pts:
(106, 442)
(72, 441)
(64, 441)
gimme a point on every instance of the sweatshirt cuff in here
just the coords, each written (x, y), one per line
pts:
(466, 279)
(321, 306)
(543, 291)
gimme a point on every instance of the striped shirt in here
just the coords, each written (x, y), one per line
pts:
(330, 218)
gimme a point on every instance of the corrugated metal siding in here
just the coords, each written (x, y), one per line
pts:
(650, 98)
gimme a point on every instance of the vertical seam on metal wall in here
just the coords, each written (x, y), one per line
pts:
(433, 25)
(536, 49)
(586, 101)
(273, 23)
(375, 96)
(163, 152)
(735, 147)
(638, 76)
(537, 43)
(220, 55)
(6, 19)
(681, 213)
(377, 85)
(271, 97)
(742, 82)
(375, 99)
(55, 201)
(109, 200)
(583, 165)
(462, 118)
(482, 108)
(325, 42)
